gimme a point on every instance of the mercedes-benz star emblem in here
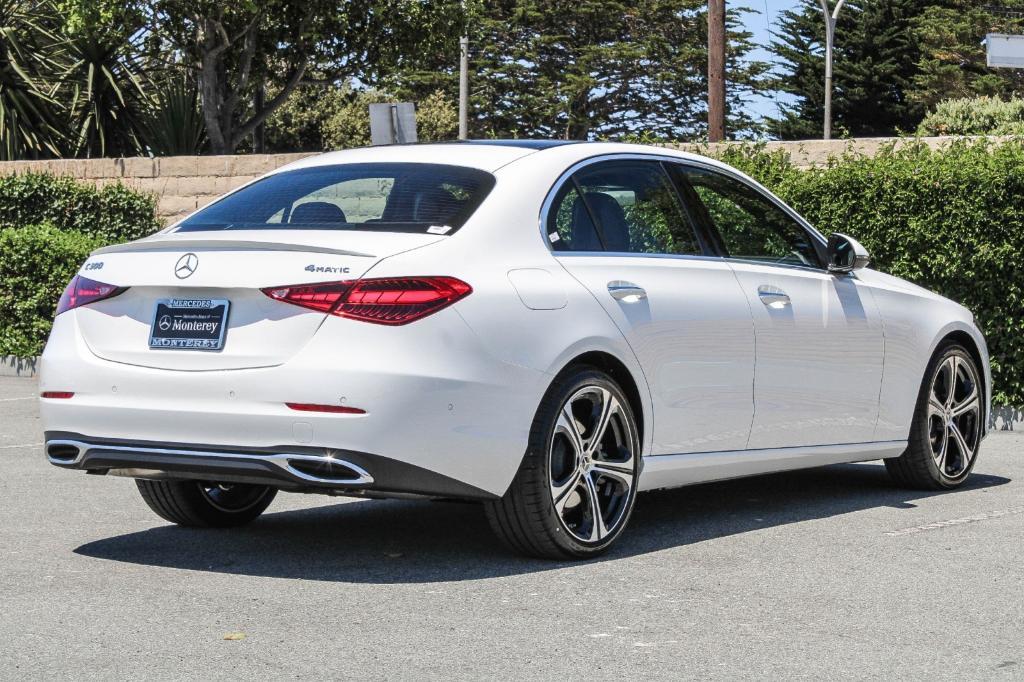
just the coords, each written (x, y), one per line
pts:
(164, 323)
(186, 265)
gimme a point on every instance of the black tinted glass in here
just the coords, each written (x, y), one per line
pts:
(752, 227)
(386, 197)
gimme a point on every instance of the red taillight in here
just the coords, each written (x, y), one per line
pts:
(82, 291)
(57, 395)
(336, 409)
(384, 300)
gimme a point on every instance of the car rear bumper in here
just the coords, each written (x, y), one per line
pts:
(289, 467)
(436, 402)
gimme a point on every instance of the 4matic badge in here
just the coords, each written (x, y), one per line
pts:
(327, 268)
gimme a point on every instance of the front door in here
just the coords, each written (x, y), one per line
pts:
(819, 343)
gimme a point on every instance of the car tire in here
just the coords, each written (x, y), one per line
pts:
(946, 431)
(583, 454)
(206, 504)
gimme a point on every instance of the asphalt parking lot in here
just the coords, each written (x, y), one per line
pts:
(824, 573)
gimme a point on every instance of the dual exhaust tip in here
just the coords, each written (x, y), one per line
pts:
(323, 469)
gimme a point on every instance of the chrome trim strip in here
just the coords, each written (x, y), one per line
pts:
(280, 459)
(221, 245)
(699, 163)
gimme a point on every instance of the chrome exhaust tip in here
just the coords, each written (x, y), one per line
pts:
(325, 469)
(64, 452)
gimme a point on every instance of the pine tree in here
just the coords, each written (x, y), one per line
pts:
(590, 69)
(953, 63)
(875, 60)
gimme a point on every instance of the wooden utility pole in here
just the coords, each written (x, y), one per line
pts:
(716, 70)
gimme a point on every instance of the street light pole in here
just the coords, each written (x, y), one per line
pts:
(464, 79)
(830, 32)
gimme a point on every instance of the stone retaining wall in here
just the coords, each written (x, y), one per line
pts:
(184, 183)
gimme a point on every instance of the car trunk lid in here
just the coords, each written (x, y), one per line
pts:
(221, 266)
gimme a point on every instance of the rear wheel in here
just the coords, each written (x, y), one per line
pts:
(946, 432)
(202, 503)
(575, 490)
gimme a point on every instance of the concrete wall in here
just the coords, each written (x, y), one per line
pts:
(181, 183)
(185, 183)
(810, 153)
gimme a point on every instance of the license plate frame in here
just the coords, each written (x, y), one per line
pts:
(189, 311)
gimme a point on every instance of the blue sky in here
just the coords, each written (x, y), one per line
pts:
(761, 25)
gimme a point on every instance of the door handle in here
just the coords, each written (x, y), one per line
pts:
(773, 297)
(626, 291)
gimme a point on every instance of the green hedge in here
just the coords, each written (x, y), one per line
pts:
(36, 263)
(950, 220)
(114, 212)
(975, 116)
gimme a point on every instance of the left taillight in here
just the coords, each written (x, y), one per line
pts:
(82, 291)
(382, 300)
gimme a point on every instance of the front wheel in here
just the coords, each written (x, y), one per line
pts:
(946, 431)
(202, 503)
(575, 490)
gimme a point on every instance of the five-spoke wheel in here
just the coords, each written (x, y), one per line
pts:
(954, 409)
(592, 467)
(947, 427)
(575, 490)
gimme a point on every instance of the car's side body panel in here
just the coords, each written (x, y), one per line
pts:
(693, 336)
(819, 357)
(915, 321)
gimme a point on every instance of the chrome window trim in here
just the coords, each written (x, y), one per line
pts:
(763, 191)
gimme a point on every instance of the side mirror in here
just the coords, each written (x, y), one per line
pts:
(845, 254)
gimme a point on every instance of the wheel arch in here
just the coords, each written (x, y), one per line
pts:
(617, 370)
(965, 339)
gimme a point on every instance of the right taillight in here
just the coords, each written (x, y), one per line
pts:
(82, 291)
(382, 300)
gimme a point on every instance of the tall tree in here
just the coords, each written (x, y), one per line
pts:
(589, 69)
(875, 60)
(236, 47)
(952, 63)
(29, 120)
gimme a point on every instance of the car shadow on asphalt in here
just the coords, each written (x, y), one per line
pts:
(401, 541)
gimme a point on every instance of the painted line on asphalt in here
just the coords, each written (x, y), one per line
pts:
(985, 516)
(11, 400)
(23, 445)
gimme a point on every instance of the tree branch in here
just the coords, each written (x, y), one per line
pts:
(260, 116)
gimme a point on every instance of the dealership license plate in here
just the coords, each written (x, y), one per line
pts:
(189, 324)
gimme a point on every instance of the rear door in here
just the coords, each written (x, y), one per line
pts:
(818, 336)
(617, 226)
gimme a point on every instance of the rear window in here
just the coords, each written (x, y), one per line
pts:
(385, 197)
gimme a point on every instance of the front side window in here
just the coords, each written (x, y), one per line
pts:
(620, 206)
(751, 226)
(384, 197)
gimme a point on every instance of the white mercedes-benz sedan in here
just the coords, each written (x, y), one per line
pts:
(546, 327)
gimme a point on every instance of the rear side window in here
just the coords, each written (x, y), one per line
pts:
(385, 197)
(620, 206)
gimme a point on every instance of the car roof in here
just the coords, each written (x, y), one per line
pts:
(487, 155)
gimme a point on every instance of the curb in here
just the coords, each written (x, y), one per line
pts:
(12, 366)
(1002, 418)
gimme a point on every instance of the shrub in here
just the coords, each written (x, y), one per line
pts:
(36, 263)
(975, 116)
(949, 220)
(112, 213)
